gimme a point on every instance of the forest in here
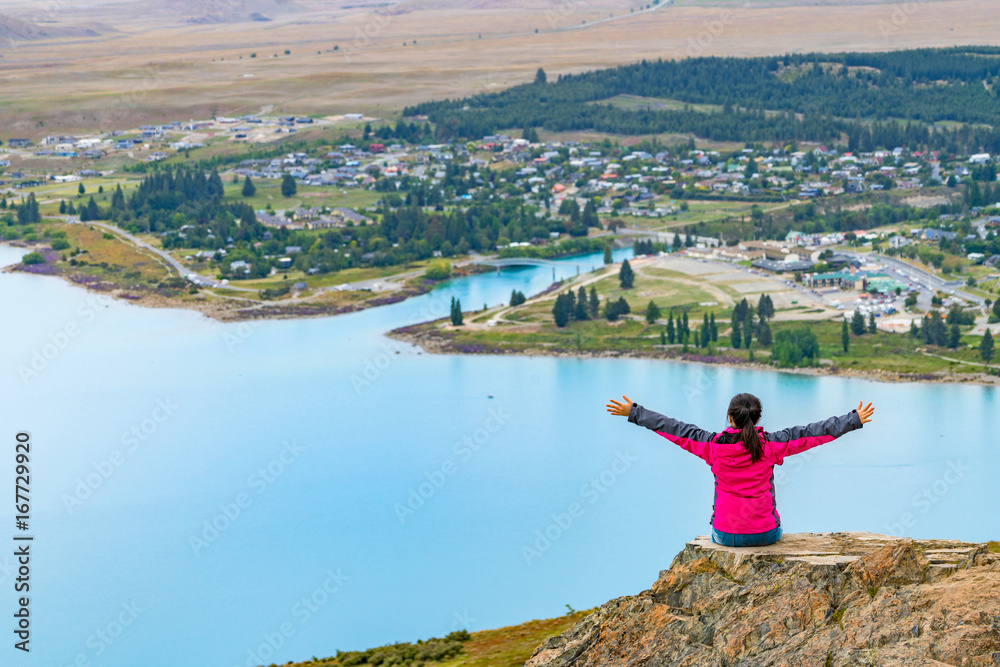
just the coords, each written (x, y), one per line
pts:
(817, 97)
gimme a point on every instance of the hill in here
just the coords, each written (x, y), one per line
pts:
(811, 599)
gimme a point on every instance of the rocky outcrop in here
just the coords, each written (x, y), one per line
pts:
(812, 599)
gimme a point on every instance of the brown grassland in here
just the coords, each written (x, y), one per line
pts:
(148, 66)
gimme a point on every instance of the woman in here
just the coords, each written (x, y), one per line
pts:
(742, 458)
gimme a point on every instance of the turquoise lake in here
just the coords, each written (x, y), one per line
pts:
(222, 495)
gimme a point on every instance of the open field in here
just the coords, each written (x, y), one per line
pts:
(145, 64)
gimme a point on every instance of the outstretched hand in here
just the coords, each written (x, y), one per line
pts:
(620, 409)
(865, 412)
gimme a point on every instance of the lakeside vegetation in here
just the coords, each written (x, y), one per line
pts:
(503, 647)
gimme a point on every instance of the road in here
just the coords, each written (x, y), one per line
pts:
(922, 277)
(184, 272)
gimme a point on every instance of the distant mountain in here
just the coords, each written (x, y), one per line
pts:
(227, 11)
(13, 29)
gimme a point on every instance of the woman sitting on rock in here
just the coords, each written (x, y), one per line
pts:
(743, 458)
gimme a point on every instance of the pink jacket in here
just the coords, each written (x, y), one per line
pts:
(744, 491)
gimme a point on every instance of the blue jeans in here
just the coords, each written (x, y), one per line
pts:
(748, 540)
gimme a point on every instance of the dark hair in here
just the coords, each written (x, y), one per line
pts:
(745, 410)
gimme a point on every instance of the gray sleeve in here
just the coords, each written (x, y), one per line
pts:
(654, 421)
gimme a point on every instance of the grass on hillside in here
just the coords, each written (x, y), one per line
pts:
(122, 259)
(504, 647)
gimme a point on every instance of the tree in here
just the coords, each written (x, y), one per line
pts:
(288, 186)
(954, 336)
(845, 336)
(580, 310)
(626, 277)
(652, 312)
(82, 190)
(594, 304)
(561, 310)
(872, 327)
(608, 259)
(986, 346)
(765, 307)
(858, 324)
(456, 312)
(914, 329)
(677, 241)
(62, 206)
(540, 76)
(706, 331)
(792, 347)
(671, 331)
(517, 298)
(938, 331)
(249, 190)
(28, 213)
(734, 338)
(764, 334)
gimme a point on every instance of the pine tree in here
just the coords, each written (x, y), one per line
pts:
(845, 336)
(456, 312)
(595, 303)
(652, 312)
(954, 336)
(858, 323)
(580, 310)
(249, 189)
(764, 334)
(671, 331)
(872, 327)
(914, 330)
(62, 207)
(608, 259)
(938, 330)
(715, 329)
(561, 310)
(986, 347)
(735, 339)
(706, 331)
(288, 186)
(626, 277)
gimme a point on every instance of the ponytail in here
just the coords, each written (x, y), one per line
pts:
(745, 409)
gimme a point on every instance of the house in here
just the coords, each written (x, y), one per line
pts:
(19, 143)
(285, 263)
(931, 234)
(783, 266)
(898, 241)
(979, 158)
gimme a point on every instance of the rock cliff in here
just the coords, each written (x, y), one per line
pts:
(823, 600)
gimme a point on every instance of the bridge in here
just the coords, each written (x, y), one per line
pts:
(515, 261)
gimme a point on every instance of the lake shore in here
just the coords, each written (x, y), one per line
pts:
(431, 340)
(230, 307)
